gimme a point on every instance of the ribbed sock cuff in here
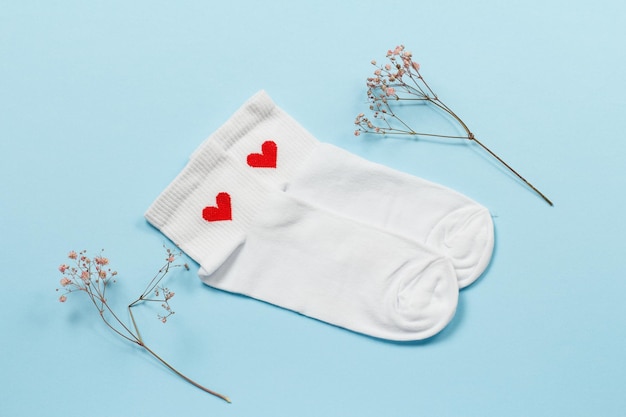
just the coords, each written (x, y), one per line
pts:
(208, 208)
(256, 122)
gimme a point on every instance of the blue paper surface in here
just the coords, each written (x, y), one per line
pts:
(101, 105)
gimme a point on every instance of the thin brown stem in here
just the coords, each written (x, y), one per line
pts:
(392, 131)
(546, 199)
(419, 87)
(189, 380)
(103, 304)
(413, 99)
(117, 319)
(132, 319)
(133, 339)
(425, 83)
(437, 102)
(472, 137)
(156, 280)
(392, 114)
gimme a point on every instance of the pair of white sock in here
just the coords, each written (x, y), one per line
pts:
(270, 212)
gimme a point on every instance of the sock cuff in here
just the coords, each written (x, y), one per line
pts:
(257, 122)
(183, 187)
(207, 209)
(253, 112)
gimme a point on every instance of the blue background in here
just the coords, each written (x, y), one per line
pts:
(101, 103)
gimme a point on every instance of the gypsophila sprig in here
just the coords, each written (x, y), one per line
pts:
(93, 277)
(399, 80)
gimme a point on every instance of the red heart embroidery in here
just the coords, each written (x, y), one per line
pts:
(222, 211)
(267, 157)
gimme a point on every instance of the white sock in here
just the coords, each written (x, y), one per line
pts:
(267, 141)
(436, 216)
(254, 239)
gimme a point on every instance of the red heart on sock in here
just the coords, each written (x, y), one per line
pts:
(267, 157)
(219, 212)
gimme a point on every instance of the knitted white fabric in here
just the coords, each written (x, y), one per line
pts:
(251, 133)
(265, 140)
(256, 240)
(439, 217)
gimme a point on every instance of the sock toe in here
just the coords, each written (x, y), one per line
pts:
(425, 301)
(466, 237)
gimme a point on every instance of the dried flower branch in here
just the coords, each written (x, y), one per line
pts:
(93, 277)
(400, 80)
